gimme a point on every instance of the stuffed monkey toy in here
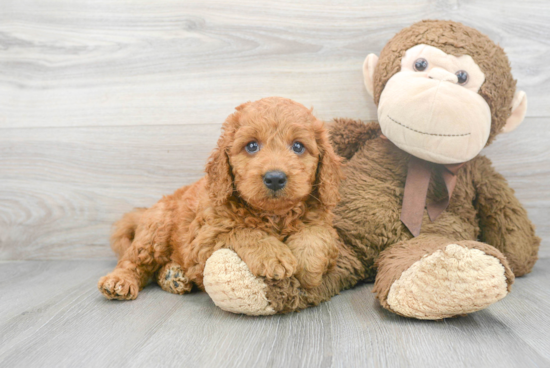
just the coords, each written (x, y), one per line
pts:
(423, 215)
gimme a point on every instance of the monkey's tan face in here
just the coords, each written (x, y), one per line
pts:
(432, 109)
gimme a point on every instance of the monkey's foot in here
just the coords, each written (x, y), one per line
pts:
(232, 287)
(452, 281)
(172, 279)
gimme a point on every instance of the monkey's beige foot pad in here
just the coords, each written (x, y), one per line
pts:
(447, 283)
(232, 286)
(172, 279)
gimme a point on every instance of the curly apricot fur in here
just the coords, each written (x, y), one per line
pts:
(278, 234)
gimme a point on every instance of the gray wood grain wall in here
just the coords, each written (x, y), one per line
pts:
(107, 105)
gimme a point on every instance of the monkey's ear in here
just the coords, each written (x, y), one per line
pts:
(519, 108)
(368, 72)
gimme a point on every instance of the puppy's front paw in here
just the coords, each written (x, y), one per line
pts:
(310, 271)
(309, 280)
(316, 250)
(273, 266)
(118, 285)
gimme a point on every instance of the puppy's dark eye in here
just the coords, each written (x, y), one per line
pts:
(420, 65)
(462, 76)
(252, 147)
(298, 148)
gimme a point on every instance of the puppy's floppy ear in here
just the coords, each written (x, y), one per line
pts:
(329, 172)
(242, 106)
(219, 180)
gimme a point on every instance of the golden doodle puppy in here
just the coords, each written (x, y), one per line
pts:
(268, 192)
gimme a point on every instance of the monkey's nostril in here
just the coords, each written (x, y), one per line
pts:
(275, 180)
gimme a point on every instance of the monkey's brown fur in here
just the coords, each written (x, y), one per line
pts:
(277, 235)
(483, 212)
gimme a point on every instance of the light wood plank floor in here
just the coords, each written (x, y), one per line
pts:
(52, 315)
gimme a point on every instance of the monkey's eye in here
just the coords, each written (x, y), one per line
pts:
(420, 65)
(298, 148)
(462, 76)
(252, 147)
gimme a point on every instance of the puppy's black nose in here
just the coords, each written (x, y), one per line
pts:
(275, 180)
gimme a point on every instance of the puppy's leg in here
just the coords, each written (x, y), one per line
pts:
(171, 278)
(316, 251)
(149, 250)
(264, 255)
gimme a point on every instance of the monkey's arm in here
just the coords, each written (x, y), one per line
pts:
(347, 136)
(502, 219)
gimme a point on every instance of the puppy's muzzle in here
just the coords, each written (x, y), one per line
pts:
(275, 180)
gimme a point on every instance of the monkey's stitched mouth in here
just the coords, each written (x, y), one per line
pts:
(418, 131)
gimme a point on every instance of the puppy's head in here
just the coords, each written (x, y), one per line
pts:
(274, 153)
